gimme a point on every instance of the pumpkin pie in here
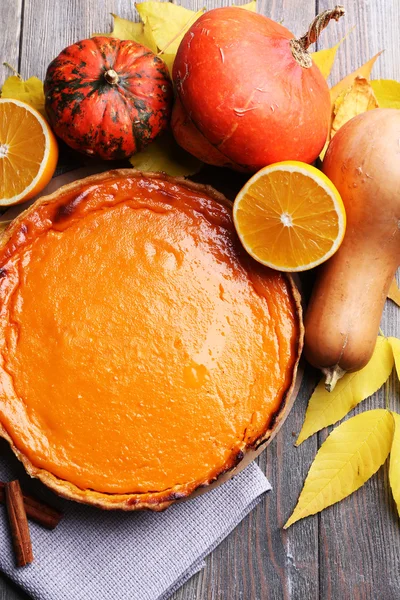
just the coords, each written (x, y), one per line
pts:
(143, 353)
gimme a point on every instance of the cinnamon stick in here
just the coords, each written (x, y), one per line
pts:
(38, 511)
(18, 523)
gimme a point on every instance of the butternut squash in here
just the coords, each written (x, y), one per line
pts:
(343, 317)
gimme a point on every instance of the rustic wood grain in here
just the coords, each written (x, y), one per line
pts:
(351, 551)
(10, 28)
(51, 25)
(376, 27)
(359, 538)
(259, 561)
(11, 25)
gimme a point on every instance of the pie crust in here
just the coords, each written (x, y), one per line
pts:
(210, 397)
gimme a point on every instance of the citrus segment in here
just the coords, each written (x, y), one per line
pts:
(28, 152)
(289, 216)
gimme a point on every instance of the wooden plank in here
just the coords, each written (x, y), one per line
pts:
(259, 561)
(359, 537)
(10, 19)
(376, 27)
(48, 27)
(51, 26)
(10, 13)
(359, 552)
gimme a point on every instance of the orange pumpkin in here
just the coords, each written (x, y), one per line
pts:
(108, 98)
(248, 92)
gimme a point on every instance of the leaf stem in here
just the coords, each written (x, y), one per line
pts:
(186, 26)
(6, 64)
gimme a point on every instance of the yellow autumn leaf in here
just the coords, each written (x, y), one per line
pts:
(326, 408)
(162, 28)
(129, 30)
(324, 59)
(29, 91)
(357, 99)
(123, 29)
(346, 82)
(165, 155)
(325, 148)
(169, 60)
(168, 22)
(394, 292)
(395, 345)
(394, 467)
(350, 455)
(339, 90)
(387, 92)
(360, 92)
(251, 6)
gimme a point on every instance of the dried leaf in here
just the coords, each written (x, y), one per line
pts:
(344, 84)
(395, 344)
(350, 455)
(339, 91)
(326, 408)
(129, 30)
(357, 99)
(394, 468)
(168, 22)
(387, 92)
(165, 155)
(29, 91)
(394, 292)
(324, 59)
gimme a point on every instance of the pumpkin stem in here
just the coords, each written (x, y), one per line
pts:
(332, 376)
(111, 77)
(300, 46)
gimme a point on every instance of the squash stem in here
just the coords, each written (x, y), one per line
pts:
(111, 77)
(300, 46)
(332, 376)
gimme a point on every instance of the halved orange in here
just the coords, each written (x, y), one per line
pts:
(289, 216)
(28, 152)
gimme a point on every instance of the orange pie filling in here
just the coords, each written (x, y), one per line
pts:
(141, 349)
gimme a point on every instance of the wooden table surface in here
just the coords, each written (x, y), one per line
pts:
(351, 550)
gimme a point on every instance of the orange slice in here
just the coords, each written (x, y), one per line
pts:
(28, 152)
(289, 216)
